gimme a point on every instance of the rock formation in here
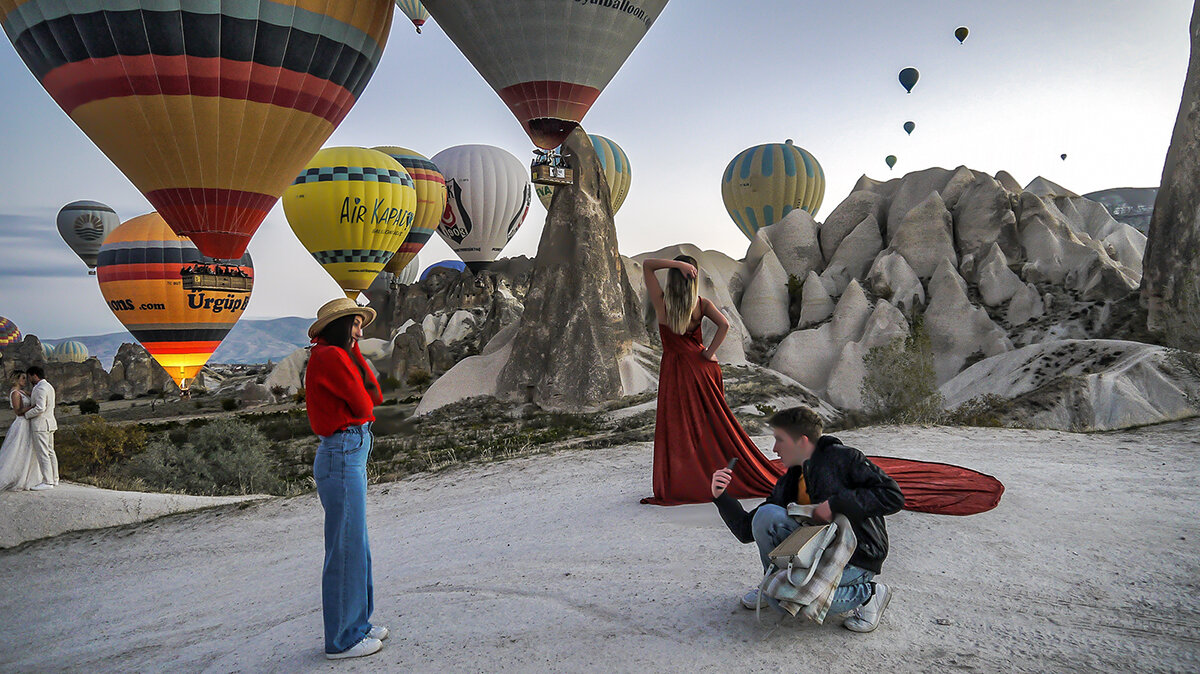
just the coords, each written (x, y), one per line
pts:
(1171, 285)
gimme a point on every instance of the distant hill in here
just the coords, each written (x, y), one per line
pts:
(250, 341)
(1130, 205)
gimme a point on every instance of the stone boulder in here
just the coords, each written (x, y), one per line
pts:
(409, 354)
(289, 373)
(764, 305)
(984, 216)
(885, 325)
(808, 356)
(847, 216)
(816, 304)
(893, 279)
(795, 242)
(854, 256)
(925, 236)
(135, 373)
(997, 283)
(915, 189)
(1026, 304)
(958, 330)
(1084, 385)
(1009, 183)
(74, 382)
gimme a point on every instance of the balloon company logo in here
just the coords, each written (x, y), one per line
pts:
(622, 6)
(89, 227)
(450, 225)
(217, 305)
(128, 305)
(381, 214)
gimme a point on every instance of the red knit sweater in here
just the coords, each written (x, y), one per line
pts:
(335, 393)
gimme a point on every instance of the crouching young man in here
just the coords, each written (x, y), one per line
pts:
(838, 480)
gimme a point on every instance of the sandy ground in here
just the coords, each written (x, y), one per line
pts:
(550, 563)
(30, 515)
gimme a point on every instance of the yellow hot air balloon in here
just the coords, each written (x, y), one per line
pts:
(431, 203)
(351, 208)
(140, 273)
(615, 165)
(766, 182)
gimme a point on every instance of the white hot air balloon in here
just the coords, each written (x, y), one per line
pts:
(408, 275)
(83, 225)
(488, 194)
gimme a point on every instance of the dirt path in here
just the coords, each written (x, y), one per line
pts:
(550, 563)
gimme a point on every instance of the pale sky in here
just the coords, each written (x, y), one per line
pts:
(1097, 79)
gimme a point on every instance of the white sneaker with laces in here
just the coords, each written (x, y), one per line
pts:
(865, 618)
(750, 599)
(41, 487)
(378, 632)
(365, 646)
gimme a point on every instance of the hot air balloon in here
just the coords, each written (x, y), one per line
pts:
(547, 59)
(70, 351)
(908, 127)
(766, 182)
(908, 78)
(83, 225)
(453, 265)
(615, 165)
(209, 108)
(890, 160)
(351, 208)
(9, 334)
(140, 269)
(961, 33)
(415, 11)
(431, 203)
(1062, 157)
(408, 275)
(487, 198)
(47, 352)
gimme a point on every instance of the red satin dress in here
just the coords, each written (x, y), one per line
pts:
(695, 432)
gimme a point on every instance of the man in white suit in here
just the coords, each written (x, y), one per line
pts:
(42, 424)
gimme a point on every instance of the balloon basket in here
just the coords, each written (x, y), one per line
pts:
(549, 168)
(217, 279)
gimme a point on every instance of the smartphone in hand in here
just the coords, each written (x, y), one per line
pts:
(732, 463)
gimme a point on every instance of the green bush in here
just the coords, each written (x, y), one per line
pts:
(229, 404)
(89, 406)
(227, 456)
(981, 410)
(117, 396)
(95, 445)
(298, 397)
(418, 378)
(900, 383)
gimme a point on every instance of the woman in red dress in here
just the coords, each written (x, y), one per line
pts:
(695, 432)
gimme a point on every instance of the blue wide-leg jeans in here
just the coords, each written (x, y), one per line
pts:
(347, 595)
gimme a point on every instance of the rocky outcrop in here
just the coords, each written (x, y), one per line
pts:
(816, 304)
(794, 240)
(854, 256)
(925, 236)
(764, 306)
(1171, 285)
(289, 373)
(135, 373)
(958, 330)
(848, 215)
(893, 279)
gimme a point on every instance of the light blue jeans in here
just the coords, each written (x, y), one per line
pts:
(771, 525)
(347, 595)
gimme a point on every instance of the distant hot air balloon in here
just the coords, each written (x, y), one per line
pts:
(615, 165)
(47, 352)
(766, 182)
(415, 11)
(70, 351)
(908, 78)
(431, 203)
(547, 59)
(83, 225)
(408, 275)
(351, 208)
(488, 196)
(209, 108)
(908, 127)
(9, 334)
(961, 33)
(453, 265)
(139, 270)
(891, 160)
(1062, 157)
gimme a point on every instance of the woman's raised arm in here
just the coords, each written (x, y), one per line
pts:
(653, 288)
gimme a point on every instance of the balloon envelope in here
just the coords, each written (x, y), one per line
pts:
(456, 265)
(891, 160)
(908, 78)
(547, 59)
(1062, 157)
(766, 182)
(615, 165)
(431, 203)
(908, 127)
(415, 11)
(139, 273)
(70, 352)
(83, 225)
(209, 108)
(351, 208)
(961, 33)
(9, 334)
(488, 193)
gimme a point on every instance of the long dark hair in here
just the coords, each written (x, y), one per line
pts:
(340, 333)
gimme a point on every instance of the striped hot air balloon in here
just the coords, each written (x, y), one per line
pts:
(139, 270)
(547, 59)
(9, 334)
(83, 225)
(415, 12)
(617, 172)
(431, 202)
(70, 351)
(766, 182)
(210, 108)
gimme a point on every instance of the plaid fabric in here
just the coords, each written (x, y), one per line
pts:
(353, 255)
(370, 174)
(814, 597)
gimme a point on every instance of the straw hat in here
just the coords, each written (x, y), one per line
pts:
(335, 309)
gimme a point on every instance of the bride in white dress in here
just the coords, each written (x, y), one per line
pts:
(18, 466)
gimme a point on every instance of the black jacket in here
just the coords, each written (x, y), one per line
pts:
(854, 487)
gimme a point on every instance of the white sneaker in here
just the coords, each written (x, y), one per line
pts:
(41, 487)
(365, 646)
(750, 599)
(378, 632)
(865, 618)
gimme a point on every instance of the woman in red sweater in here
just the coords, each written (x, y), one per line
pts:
(341, 393)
